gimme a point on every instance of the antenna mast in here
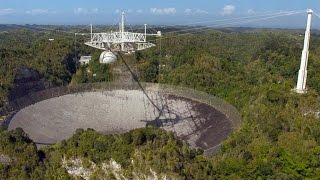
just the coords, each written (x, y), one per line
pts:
(122, 32)
(302, 77)
(91, 31)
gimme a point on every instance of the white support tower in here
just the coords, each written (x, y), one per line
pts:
(302, 77)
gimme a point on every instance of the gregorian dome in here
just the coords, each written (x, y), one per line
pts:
(107, 57)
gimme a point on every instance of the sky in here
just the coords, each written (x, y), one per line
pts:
(173, 12)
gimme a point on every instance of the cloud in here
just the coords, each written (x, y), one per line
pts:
(6, 11)
(251, 11)
(195, 11)
(94, 11)
(188, 11)
(129, 11)
(228, 10)
(164, 11)
(84, 11)
(40, 11)
(80, 11)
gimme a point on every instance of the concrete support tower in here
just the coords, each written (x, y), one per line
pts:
(302, 77)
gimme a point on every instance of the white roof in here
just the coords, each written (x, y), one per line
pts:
(83, 58)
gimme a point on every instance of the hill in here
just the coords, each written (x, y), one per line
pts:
(255, 71)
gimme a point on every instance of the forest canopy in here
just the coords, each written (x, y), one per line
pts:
(255, 70)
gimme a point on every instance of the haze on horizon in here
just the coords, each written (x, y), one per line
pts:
(173, 12)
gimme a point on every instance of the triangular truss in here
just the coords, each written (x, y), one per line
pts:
(121, 41)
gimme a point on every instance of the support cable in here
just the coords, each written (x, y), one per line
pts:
(75, 51)
(48, 29)
(137, 80)
(316, 14)
(226, 19)
(245, 19)
(203, 29)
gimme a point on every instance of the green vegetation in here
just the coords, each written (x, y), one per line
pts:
(147, 148)
(93, 72)
(255, 71)
(279, 135)
(54, 60)
(18, 155)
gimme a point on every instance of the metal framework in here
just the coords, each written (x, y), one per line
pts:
(121, 41)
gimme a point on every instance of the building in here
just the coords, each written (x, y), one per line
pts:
(85, 60)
